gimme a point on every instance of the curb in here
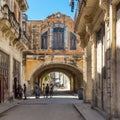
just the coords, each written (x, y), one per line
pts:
(9, 108)
(79, 112)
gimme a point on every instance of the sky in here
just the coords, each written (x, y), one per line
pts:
(40, 9)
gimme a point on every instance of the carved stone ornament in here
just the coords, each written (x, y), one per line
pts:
(105, 6)
(89, 26)
(82, 35)
(83, 41)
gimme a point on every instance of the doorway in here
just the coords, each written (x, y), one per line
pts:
(1, 89)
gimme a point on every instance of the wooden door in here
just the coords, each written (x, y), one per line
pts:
(1, 89)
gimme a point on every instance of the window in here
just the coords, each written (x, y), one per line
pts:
(58, 38)
(4, 68)
(72, 41)
(44, 43)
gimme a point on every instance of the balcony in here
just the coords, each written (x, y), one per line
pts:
(7, 17)
(77, 12)
(11, 28)
(85, 12)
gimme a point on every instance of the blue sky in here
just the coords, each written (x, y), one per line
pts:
(40, 9)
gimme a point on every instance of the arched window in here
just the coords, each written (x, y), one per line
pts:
(44, 43)
(72, 41)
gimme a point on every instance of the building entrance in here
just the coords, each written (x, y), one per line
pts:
(1, 89)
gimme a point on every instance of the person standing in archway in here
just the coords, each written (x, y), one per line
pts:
(37, 90)
(47, 90)
(51, 90)
(44, 90)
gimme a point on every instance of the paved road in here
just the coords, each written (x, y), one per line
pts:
(57, 108)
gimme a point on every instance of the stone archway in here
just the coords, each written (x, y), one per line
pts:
(74, 73)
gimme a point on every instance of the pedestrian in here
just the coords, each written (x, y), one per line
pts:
(51, 90)
(24, 91)
(44, 90)
(47, 90)
(37, 90)
(80, 94)
(20, 91)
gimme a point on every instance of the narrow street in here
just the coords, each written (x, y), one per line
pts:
(56, 108)
(60, 48)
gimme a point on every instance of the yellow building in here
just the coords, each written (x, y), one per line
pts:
(54, 47)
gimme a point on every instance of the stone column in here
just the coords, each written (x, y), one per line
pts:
(84, 75)
(71, 83)
(11, 75)
(93, 70)
(114, 63)
(87, 60)
(87, 75)
(104, 4)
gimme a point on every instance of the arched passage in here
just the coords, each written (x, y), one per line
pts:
(59, 80)
(74, 73)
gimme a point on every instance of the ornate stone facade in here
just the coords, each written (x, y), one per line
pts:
(97, 23)
(12, 43)
(53, 47)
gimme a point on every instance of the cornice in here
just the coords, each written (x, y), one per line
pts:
(115, 2)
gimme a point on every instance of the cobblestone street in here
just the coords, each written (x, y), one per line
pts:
(45, 109)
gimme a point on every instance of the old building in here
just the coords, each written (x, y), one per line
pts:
(97, 23)
(54, 47)
(12, 43)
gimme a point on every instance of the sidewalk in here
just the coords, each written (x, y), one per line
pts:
(86, 111)
(7, 106)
